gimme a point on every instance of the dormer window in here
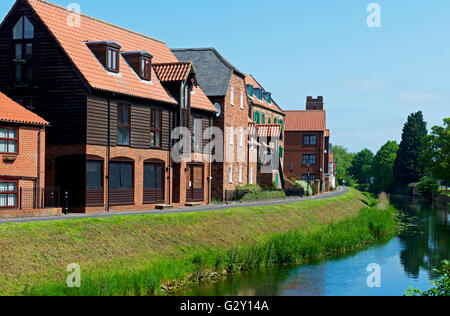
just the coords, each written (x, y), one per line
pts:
(146, 68)
(107, 53)
(141, 63)
(113, 62)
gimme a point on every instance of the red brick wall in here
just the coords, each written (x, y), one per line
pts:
(28, 163)
(294, 151)
(139, 156)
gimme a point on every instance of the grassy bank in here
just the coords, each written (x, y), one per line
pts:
(136, 254)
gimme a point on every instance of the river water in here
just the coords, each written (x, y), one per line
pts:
(404, 261)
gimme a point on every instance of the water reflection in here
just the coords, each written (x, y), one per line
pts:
(407, 260)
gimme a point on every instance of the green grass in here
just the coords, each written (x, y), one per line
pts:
(293, 247)
(117, 254)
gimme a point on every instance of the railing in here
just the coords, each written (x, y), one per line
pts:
(34, 198)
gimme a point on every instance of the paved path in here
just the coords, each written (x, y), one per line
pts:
(214, 207)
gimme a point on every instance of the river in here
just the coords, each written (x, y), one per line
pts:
(404, 261)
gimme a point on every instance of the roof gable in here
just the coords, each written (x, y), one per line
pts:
(10, 111)
(73, 41)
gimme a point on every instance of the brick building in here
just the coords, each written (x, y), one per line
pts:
(307, 143)
(269, 119)
(225, 86)
(22, 157)
(113, 98)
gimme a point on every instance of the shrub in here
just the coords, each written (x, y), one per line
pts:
(307, 189)
(428, 187)
(263, 195)
(441, 287)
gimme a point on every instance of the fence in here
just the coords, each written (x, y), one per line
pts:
(34, 198)
(237, 195)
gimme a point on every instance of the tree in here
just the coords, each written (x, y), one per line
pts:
(361, 168)
(383, 167)
(428, 187)
(436, 154)
(343, 159)
(408, 168)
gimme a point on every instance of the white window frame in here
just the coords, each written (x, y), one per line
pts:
(241, 137)
(242, 100)
(232, 96)
(230, 174)
(231, 132)
(251, 175)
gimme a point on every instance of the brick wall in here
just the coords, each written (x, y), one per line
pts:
(294, 151)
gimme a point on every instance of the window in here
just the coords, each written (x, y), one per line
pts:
(232, 96)
(153, 176)
(310, 140)
(8, 194)
(275, 121)
(312, 177)
(309, 159)
(256, 117)
(113, 60)
(146, 73)
(263, 119)
(241, 137)
(94, 175)
(281, 150)
(251, 175)
(230, 174)
(242, 100)
(123, 124)
(231, 135)
(268, 120)
(23, 34)
(121, 175)
(155, 128)
(240, 175)
(9, 140)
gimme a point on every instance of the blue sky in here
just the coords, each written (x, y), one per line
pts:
(371, 78)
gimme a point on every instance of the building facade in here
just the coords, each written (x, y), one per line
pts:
(225, 86)
(22, 157)
(113, 98)
(269, 119)
(307, 142)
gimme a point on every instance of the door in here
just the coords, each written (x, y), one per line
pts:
(176, 183)
(154, 183)
(195, 183)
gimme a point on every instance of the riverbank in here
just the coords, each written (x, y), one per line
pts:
(136, 255)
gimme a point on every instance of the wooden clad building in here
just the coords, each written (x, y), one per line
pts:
(112, 97)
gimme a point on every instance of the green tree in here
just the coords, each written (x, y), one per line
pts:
(361, 168)
(428, 187)
(436, 155)
(407, 167)
(343, 159)
(383, 167)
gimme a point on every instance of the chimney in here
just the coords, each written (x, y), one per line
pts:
(314, 104)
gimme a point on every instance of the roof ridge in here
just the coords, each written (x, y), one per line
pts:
(172, 63)
(98, 20)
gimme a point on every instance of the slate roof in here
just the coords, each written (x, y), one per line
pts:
(73, 40)
(10, 111)
(212, 69)
(309, 121)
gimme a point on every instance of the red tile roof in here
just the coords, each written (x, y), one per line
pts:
(305, 121)
(168, 72)
(73, 40)
(10, 111)
(249, 79)
(331, 157)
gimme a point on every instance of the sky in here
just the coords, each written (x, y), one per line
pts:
(371, 78)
